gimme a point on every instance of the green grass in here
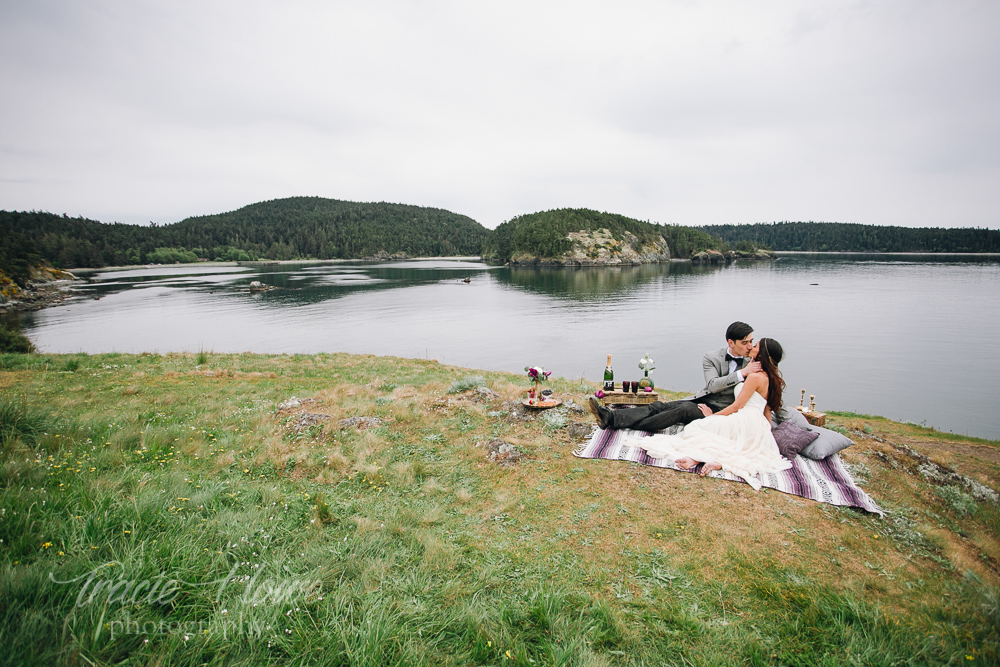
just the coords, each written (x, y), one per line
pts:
(401, 545)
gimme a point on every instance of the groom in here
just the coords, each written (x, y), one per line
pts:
(724, 369)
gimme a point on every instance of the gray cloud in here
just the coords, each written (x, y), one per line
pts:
(685, 112)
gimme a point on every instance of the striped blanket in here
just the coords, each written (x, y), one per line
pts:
(826, 481)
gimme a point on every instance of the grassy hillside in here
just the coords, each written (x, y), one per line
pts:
(167, 510)
(544, 234)
(293, 228)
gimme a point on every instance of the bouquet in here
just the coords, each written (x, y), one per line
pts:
(537, 373)
(646, 364)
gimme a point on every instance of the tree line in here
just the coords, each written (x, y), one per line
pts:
(850, 237)
(319, 228)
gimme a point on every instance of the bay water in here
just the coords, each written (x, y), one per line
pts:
(910, 337)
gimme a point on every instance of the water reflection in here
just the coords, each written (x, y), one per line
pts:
(298, 283)
(310, 283)
(595, 283)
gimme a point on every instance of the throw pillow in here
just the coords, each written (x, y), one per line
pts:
(828, 443)
(789, 415)
(791, 439)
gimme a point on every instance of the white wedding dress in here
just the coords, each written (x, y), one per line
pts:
(741, 442)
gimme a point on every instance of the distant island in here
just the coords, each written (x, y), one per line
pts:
(281, 229)
(582, 237)
(849, 237)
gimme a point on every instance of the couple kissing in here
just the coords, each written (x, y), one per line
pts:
(728, 423)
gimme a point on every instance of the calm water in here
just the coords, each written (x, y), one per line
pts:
(911, 338)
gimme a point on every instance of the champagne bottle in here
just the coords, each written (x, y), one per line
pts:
(609, 376)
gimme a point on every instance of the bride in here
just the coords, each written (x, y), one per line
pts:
(737, 439)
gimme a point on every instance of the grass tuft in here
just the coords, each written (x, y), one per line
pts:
(466, 383)
(19, 420)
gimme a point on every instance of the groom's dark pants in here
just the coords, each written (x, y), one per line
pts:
(659, 415)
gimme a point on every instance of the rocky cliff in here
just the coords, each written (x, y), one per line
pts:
(600, 248)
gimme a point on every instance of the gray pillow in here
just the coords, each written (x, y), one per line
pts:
(792, 415)
(791, 439)
(828, 443)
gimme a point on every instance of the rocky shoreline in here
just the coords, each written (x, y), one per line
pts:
(716, 257)
(601, 248)
(47, 287)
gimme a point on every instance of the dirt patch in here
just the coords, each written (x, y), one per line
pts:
(12, 378)
(979, 452)
(360, 423)
(222, 374)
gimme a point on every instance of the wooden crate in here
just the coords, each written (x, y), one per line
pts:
(628, 398)
(815, 418)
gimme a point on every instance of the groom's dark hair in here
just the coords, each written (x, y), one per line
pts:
(738, 331)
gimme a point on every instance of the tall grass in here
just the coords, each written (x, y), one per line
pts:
(19, 420)
(399, 545)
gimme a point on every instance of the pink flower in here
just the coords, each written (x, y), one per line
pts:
(647, 389)
(599, 394)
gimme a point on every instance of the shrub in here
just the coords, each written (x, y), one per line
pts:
(12, 340)
(958, 500)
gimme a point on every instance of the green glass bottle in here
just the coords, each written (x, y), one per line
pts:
(609, 376)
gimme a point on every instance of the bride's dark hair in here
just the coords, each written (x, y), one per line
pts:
(769, 355)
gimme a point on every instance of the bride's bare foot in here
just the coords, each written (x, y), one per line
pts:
(709, 467)
(686, 463)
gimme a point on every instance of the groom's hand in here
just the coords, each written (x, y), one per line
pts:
(752, 367)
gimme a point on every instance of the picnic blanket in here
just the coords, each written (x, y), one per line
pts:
(826, 480)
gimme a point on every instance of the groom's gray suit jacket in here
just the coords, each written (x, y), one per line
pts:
(719, 382)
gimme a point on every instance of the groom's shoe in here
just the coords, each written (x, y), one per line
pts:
(602, 413)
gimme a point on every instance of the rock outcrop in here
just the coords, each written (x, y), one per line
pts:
(383, 256)
(716, 257)
(600, 248)
(47, 287)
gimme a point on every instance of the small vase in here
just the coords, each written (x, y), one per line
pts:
(645, 381)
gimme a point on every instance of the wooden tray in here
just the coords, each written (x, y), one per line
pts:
(628, 398)
(541, 405)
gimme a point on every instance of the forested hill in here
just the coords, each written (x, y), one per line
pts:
(331, 229)
(293, 228)
(545, 234)
(847, 237)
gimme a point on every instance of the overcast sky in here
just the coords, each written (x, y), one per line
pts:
(686, 112)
